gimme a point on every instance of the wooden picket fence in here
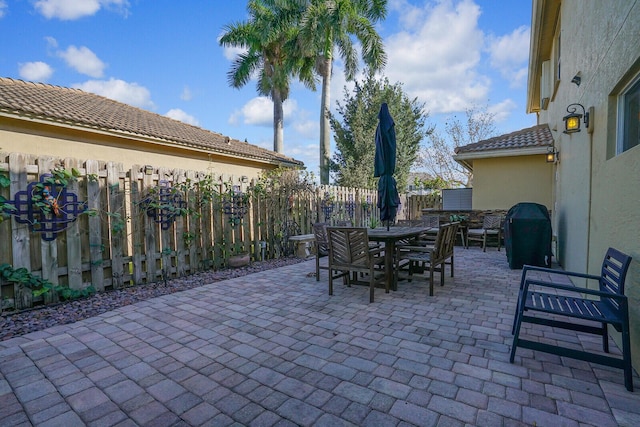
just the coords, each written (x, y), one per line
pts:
(146, 225)
(418, 202)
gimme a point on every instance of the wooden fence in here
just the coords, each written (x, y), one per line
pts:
(109, 228)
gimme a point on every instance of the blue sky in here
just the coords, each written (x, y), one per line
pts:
(163, 55)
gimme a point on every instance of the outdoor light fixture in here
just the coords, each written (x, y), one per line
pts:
(572, 120)
(552, 155)
(148, 170)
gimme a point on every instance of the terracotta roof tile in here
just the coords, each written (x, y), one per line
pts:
(79, 108)
(536, 136)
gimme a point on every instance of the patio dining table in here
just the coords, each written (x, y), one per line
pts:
(389, 237)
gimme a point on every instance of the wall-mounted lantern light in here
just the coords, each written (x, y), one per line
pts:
(148, 170)
(572, 120)
(552, 155)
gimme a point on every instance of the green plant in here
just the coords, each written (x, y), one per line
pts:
(188, 238)
(40, 286)
(41, 197)
(5, 206)
(458, 218)
(238, 249)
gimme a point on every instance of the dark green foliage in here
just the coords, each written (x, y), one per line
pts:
(40, 286)
(355, 134)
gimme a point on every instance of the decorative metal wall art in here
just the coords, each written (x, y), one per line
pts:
(327, 204)
(235, 205)
(164, 205)
(47, 207)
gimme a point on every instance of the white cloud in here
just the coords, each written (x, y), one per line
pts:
(3, 8)
(306, 128)
(37, 71)
(83, 60)
(509, 55)
(186, 94)
(437, 53)
(502, 110)
(178, 114)
(52, 43)
(231, 53)
(68, 10)
(119, 90)
(259, 112)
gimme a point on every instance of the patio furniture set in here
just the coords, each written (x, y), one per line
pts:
(384, 253)
(380, 256)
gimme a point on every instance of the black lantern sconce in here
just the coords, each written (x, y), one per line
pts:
(552, 156)
(572, 120)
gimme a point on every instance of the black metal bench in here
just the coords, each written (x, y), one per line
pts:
(560, 305)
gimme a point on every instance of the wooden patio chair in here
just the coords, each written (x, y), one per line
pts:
(431, 257)
(559, 305)
(321, 245)
(491, 227)
(349, 254)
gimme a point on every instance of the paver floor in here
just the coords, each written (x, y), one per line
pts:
(274, 349)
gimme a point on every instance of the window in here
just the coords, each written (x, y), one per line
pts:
(629, 117)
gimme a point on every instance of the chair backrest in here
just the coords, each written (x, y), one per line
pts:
(344, 223)
(432, 221)
(445, 241)
(320, 234)
(450, 236)
(614, 273)
(492, 222)
(348, 246)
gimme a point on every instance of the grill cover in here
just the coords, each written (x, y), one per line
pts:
(527, 235)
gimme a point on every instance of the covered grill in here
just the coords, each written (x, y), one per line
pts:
(527, 235)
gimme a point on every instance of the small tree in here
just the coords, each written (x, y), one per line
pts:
(355, 134)
(437, 156)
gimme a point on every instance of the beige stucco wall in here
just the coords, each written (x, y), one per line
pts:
(45, 140)
(597, 200)
(501, 182)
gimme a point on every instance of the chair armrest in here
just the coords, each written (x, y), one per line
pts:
(574, 289)
(526, 268)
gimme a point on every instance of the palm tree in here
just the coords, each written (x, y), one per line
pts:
(268, 37)
(331, 23)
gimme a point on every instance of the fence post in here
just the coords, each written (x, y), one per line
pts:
(95, 230)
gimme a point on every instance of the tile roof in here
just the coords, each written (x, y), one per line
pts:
(536, 136)
(78, 108)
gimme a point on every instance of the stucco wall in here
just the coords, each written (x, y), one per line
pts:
(48, 141)
(597, 194)
(499, 183)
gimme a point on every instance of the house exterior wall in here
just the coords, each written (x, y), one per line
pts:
(46, 140)
(597, 201)
(501, 182)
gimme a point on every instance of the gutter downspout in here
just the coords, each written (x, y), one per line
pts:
(590, 190)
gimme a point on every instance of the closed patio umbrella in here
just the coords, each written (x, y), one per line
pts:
(385, 166)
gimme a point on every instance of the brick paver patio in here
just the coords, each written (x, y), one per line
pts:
(273, 349)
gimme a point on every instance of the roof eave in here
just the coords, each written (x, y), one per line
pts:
(489, 154)
(51, 121)
(544, 15)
